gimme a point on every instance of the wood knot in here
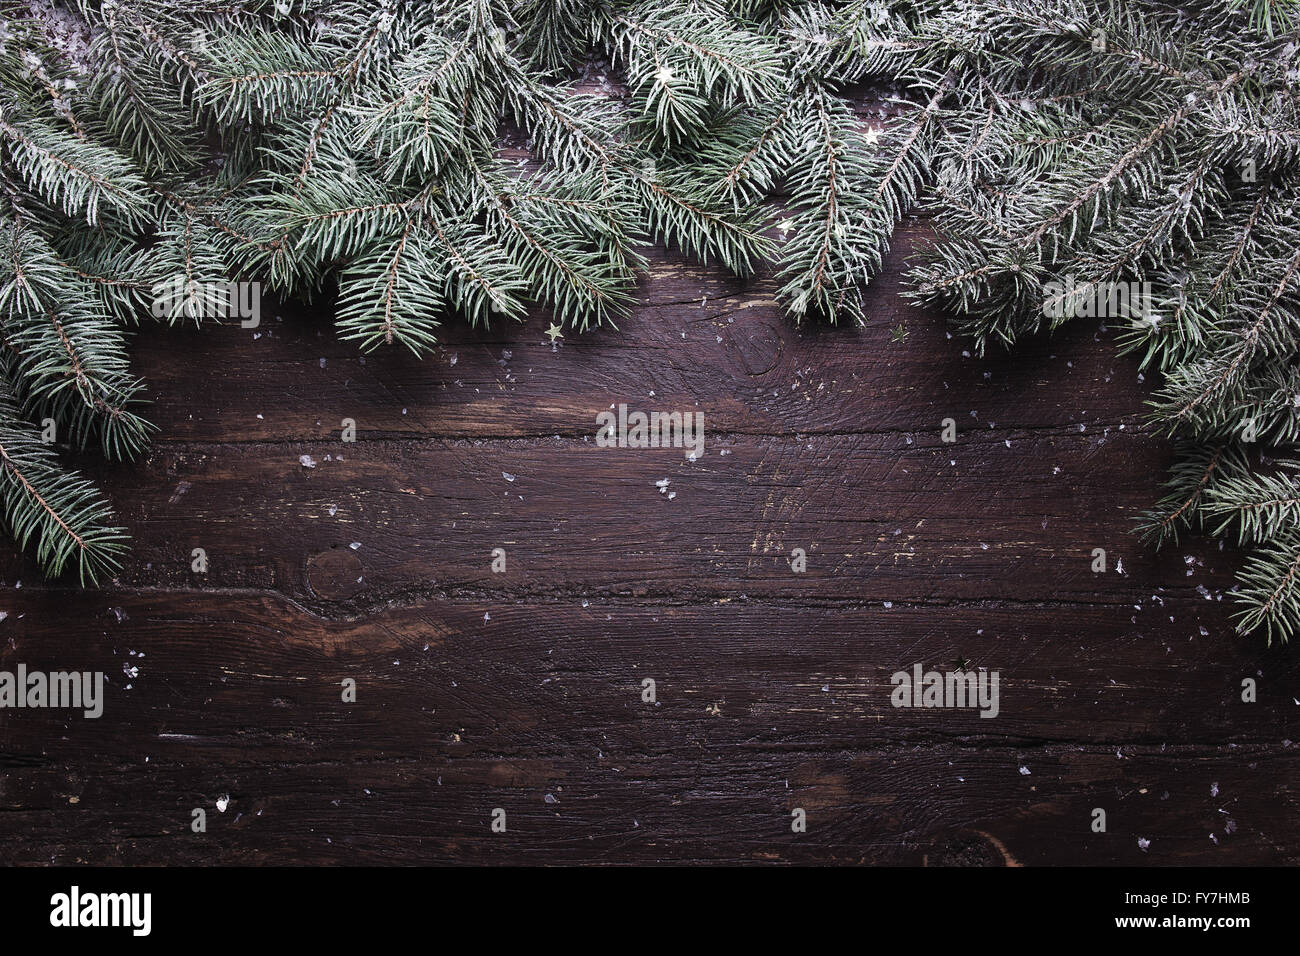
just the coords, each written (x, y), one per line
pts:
(755, 346)
(334, 575)
(969, 848)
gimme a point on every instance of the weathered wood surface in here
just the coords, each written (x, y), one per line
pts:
(522, 690)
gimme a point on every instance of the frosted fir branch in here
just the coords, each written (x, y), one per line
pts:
(1269, 595)
(80, 178)
(56, 513)
(1251, 339)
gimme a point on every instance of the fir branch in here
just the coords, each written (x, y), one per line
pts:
(56, 513)
(76, 176)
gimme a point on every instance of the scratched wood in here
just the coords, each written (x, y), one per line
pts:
(522, 690)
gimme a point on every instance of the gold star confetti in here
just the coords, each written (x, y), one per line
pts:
(554, 332)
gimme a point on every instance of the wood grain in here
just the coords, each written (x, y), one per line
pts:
(523, 690)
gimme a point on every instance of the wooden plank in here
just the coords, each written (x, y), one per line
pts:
(941, 806)
(822, 673)
(699, 340)
(880, 517)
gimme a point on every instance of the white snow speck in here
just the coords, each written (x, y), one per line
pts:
(307, 461)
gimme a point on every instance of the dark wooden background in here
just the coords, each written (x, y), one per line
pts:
(523, 690)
